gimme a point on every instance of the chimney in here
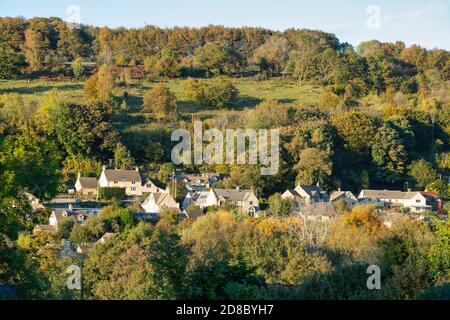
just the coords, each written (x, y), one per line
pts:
(238, 188)
(339, 189)
(104, 168)
(79, 175)
(137, 169)
(70, 207)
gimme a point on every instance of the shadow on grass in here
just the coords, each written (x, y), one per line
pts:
(42, 88)
(189, 107)
(134, 103)
(244, 102)
(125, 121)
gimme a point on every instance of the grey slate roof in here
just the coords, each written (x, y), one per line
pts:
(62, 214)
(386, 194)
(193, 213)
(233, 194)
(123, 175)
(88, 183)
(319, 209)
(337, 194)
(311, 190)
(294, 192)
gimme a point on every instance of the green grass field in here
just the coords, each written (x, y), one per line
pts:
(251, 93)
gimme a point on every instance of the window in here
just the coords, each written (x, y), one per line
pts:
(133, 182)
(133, 188)
(418, 201)
(116, 182)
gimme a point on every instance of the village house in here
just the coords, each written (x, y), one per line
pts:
(150, 187)
(86, 186)
(348, 196)
(189, 199)
(58, 216)
(244, 200)
(43, 228)
(196, 182)
(85, 248)
(417, 202)
(305, 195)
(157, 202)
(195, 198)
(193, 212)
(130, 180)
(200, 182)
(105, 238)
(35, 203)
(393, 218)
(318, 211)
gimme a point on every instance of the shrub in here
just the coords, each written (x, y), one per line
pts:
(112, 193)
(217, 93)
(65, 227)
(161, 103)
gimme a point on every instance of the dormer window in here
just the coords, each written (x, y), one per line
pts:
(116, 182)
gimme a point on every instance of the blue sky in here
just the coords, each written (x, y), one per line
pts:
(426, 22)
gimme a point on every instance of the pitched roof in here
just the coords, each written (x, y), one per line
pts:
(293, 192)
(312, 190)
(61, 214)
(337, 194)
(84, 248)
(196, 178)
(44, 228)
(105, 237)
(388, 194)
(193, 213)
(429, 194)
(88, 183)
(325, 209)
(200, 197)
(123, 175)
(394, 217)
(35, 203)
(233, 194)
(162, 200)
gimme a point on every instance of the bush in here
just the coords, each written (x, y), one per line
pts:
(217, 93)
(436, 293)
(161, 103)
(65, 227)
(345, 283)
(77, 68)
(279, 206)
(112, 193)
(447, 207)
